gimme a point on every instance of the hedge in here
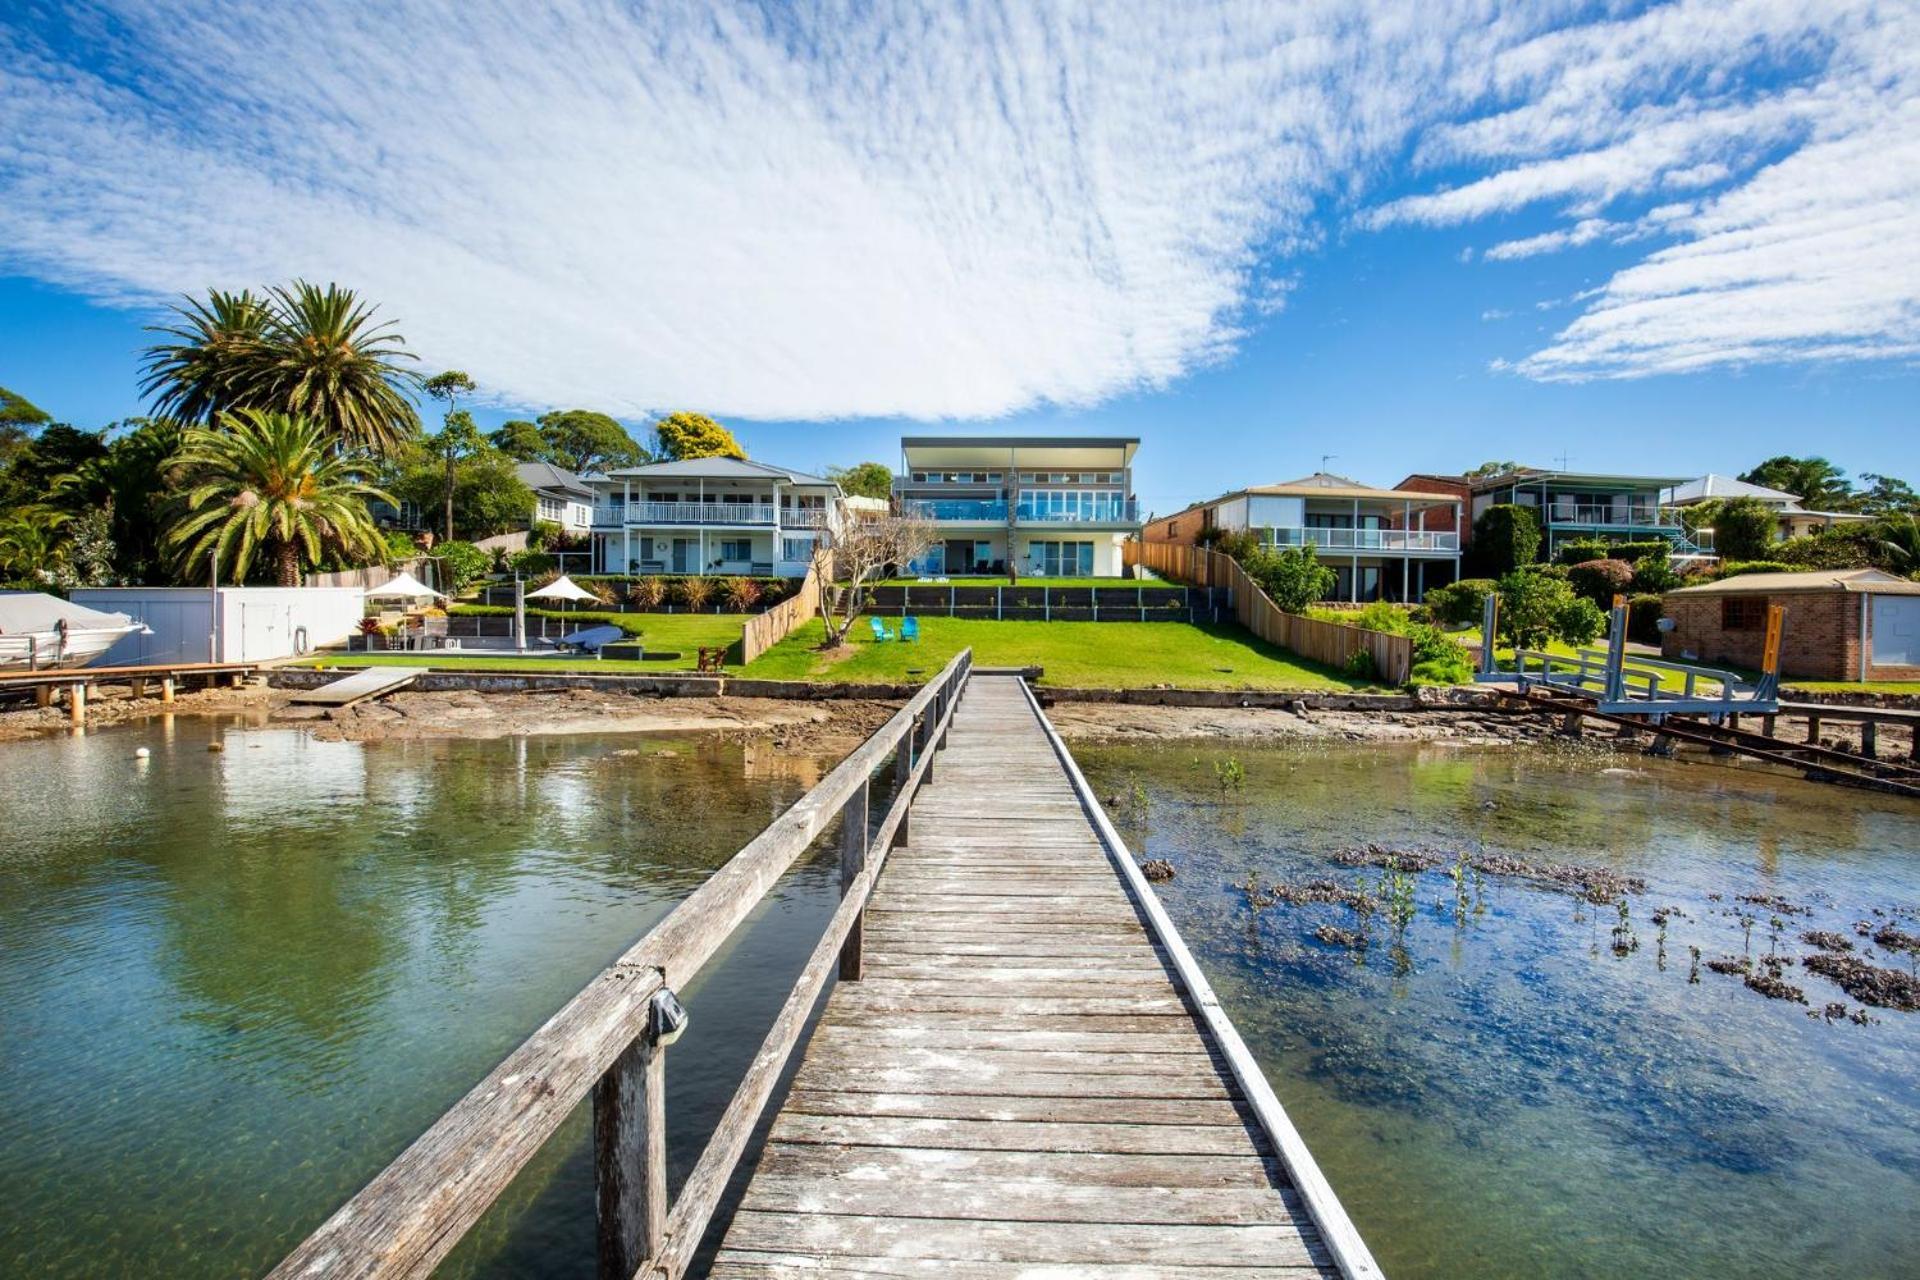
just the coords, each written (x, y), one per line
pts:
(1581, 550)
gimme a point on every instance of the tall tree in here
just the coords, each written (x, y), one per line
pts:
(18, 411)
(686, 435)
(520, 440)
(300, 350)
(1818, 484)
(864, 480)
(1885, 495)
(457, 436)
(582, 440)
(1490, 469)
(272, 482)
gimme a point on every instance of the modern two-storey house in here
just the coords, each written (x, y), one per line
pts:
(1382, 544)
(711, 516)
(1577, 506)
(1039, 506)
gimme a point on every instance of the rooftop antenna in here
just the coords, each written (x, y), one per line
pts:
(1562, 461)
(1325, 458)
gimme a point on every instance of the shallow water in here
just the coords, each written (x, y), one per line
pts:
(233, 985)
(1496, 1092)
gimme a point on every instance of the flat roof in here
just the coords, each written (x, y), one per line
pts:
(1533, 475)
(1019, 451)
(1876, 582)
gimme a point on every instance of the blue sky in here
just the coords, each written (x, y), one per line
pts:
(1665, 238)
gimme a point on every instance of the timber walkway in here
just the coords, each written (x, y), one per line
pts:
(1022, 1072)
(1016, 1082)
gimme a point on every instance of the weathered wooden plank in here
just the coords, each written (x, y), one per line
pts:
(986, 1135)
(1060, 1168)
(1172, 1037)
(1018, 1202)
(833, 1053)
(841, 1235)
(1027, 1108)
(1168, 1005)
(1166, 1083)
(748, 1264)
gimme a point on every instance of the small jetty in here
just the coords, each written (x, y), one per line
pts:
(1021, 1069)
(368, 682)
(78, 682)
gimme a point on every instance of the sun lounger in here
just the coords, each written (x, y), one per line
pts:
(909, 629)
(880, 631)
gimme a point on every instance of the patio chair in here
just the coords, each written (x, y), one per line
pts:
(909, 629)
(712, 660)
(880, 631)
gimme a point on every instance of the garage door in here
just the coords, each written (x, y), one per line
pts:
(1896, 631)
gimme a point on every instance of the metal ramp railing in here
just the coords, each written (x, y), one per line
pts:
(1637, 686)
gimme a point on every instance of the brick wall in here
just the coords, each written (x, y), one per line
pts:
(1821, 640)
(1181, 529)
(1441, 519)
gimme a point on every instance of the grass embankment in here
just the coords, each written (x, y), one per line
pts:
(1115, 583)
(1086, 654)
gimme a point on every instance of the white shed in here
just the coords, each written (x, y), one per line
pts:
(249, 624)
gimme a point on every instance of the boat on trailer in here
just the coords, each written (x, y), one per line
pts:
(39, 632)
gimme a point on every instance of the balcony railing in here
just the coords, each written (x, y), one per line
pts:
(1397, 541)
(958, 509)
(1102, 510)
(617, 514)
(1613, 515)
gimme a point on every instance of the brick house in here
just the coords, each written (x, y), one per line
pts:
(1841, 624)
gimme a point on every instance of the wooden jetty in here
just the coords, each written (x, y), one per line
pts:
(1021, 1072)
(368, 682)
(77, 682)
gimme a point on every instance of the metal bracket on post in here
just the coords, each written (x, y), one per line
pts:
(630, 1144)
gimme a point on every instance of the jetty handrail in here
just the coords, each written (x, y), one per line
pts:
(610, 1040)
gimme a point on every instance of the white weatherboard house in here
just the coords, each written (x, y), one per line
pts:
(1044, 506)
(711, 516)
(560, 496)
(1794, 519)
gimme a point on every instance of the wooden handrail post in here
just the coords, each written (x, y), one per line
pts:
(630, 1158)
(853, 860)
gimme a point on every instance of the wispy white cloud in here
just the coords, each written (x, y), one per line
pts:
(933, 210)
(955, 209)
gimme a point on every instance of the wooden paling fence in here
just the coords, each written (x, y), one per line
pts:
(763, 631)
(1330, 643)
(610, 1042)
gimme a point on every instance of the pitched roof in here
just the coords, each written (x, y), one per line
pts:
(1857, 581)
(716, 469)
(1719, 486)
(1323, 484)
(544, 475)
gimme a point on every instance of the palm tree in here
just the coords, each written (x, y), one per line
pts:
(1899, 539)
(218, 343)
(331, 364)
(300, 350)
(273, 481)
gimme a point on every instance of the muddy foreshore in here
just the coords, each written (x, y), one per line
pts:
(814, 723)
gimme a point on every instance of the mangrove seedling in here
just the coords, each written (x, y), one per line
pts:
(1230, 774)
(1693, 974)
(1624, 941)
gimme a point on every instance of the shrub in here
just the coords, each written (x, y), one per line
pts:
(740, 593)
(1530, 608)
(542, 535)
(1238, 543)
(1292, 577)
(1655, 576)
(531, 563)
(463, 563)
(1505, 537)
(1579, 621)
(399, 545)
(1360, 666)
(1828, 549)
(773, 590)
(647, 594)
(1600, 580)
(1461, 603)
(1744, 529)
(1736, 568)
(1454, 668)
(1643, 618)
(1581, 550)
(694, 592)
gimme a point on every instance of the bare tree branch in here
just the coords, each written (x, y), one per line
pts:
(863, 551)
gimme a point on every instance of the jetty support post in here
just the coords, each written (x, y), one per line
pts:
(630, 1145)
(166, 688)
(853, 860)
(77, 703)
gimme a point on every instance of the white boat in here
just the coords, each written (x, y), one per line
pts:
(39, 632)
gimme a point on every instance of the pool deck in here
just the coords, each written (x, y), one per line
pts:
(1030, 1077)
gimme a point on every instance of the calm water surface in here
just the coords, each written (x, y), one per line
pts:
(1497, 1093)
(233, 985)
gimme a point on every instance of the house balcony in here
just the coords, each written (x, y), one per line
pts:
(1611, 515)
(959, 510)
(629, 515)
(1116, 510)
(1387, 541)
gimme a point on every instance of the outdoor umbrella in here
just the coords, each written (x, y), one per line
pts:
(404, 587)
(563, 588)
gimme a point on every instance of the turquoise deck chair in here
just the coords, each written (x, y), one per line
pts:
(880, 631)
(909, 629)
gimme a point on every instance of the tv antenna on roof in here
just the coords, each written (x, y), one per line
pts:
(1562, 460)
(1325, 458)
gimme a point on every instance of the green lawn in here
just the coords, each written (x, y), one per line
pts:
(1086, 654)
(434, 660)
(683, 633)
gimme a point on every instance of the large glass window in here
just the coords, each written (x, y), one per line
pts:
(1062, 559)
(736, 548)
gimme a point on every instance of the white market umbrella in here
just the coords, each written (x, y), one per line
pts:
(404, 587)
(562, 588)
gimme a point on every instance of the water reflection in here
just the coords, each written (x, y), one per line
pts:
(1495, 1087)
(234, 983)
